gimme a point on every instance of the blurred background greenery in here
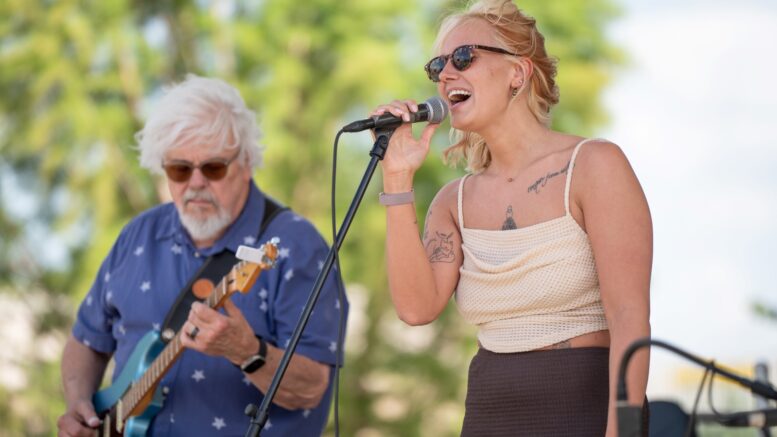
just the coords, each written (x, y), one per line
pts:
(76, 81)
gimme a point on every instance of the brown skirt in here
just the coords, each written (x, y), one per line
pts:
(561, 392)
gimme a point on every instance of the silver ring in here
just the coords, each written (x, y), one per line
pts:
(193, 333)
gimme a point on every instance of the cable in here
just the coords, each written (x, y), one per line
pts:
(340, 291)
(709, 398)
(692, 417)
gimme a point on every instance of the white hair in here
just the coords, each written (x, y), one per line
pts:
(199, 109)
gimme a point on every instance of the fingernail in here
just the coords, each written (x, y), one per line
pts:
(93, 421)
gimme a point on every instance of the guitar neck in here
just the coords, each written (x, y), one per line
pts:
(143, 388)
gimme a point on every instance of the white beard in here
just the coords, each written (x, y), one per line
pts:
(204, 228)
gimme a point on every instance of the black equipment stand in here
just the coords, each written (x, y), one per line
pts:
(259, 416)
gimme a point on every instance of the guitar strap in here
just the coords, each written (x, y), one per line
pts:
(213, 269)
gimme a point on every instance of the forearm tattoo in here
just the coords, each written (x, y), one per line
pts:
(541, 182)
(509, 223)
(440, 248)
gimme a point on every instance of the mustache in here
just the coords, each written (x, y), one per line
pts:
(206, 196)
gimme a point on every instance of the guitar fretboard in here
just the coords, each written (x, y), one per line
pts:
(141, 388)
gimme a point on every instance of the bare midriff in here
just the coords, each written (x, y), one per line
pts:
(592, 339)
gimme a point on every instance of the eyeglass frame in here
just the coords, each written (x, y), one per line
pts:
(472, 58)
(191, 167)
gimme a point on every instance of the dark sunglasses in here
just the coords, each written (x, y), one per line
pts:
(461, 58)
(213, 170)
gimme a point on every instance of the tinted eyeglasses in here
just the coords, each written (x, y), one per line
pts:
(213, 170)
(461, 58)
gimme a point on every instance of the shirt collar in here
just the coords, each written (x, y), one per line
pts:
(243, 231)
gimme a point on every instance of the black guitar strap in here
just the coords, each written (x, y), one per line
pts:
(213, 269)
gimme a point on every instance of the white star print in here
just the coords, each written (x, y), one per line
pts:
(198, 375)
(332, 346)
(109, 295)
(89, 300)
(156, 326)
(297, 218)
(218, 423)
(267, 425)
(145, 286)
(289, 274)
(176, 249)
(172, 419)
(246, 381)
(263, 293)
(249, 240)
(263, 307)
(107, 277)
(283, 252)
(287, 343)
(320, 265)
(139, 251)
(87, 343)
(337, 304)
(306, 413)
(122, 330)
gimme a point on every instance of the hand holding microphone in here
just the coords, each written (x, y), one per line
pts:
(405, 153)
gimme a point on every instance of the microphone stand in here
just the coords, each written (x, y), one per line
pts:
(630, 417)
(259, 416)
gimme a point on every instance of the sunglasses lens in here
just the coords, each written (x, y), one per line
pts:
(178, 172)
(214, 170)
(434, 68)
(462, 58)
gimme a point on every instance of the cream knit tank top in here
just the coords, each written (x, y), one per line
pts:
(530, 287)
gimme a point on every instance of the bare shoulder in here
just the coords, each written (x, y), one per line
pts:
(448, 195)
(601, 155)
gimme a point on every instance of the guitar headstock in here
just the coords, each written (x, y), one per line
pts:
(254, 261)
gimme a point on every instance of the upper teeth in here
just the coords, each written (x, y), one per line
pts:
(452, 93)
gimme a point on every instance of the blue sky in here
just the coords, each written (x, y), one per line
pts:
(695, 111)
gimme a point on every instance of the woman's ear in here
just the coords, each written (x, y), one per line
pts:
(524, 68)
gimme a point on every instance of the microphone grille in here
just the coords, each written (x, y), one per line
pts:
(438, 109)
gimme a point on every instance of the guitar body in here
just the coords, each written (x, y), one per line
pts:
(129, 405)
(105, 400)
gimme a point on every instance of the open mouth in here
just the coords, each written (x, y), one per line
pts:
(458, 96)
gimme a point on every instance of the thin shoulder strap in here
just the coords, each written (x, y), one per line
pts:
(460, 202)
(571, 168)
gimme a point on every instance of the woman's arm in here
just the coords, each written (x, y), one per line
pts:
(423, 270)
(422, 274)
(617, 219)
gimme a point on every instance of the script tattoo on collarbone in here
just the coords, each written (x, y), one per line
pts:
(440, 248)
(541, 182)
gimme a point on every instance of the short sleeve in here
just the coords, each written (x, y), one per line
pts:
(302, 253)
(96, 314)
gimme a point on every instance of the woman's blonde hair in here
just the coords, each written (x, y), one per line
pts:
(516, 32)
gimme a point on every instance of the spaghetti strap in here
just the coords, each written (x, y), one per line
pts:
(572, 167)
(460, 203)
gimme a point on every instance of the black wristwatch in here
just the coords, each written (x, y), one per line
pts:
(257, 360)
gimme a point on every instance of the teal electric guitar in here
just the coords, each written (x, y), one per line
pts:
(131, 402)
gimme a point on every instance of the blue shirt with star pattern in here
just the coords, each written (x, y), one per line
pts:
(138, 282)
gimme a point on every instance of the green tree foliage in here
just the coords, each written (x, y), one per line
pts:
(76, 80)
